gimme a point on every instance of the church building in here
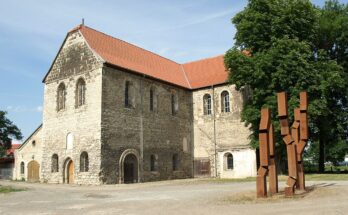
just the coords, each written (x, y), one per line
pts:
(116, 113)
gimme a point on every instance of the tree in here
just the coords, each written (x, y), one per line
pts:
(281, 36)
(7, 131)
(332, 37)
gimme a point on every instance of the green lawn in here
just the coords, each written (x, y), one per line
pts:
(9, 189)
(309, 177)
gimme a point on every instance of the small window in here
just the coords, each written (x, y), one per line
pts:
(174, 104)
(175, 162)
(225, 102)
(61, 97)
(228, 161)
(84, 162)
(153, 163)
(153, 100)
(22, 167)
(33, 143)
(207, 104)
(80, 92)
(129, 98)
(54, 163)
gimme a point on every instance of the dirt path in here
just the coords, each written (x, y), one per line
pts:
(169, 197)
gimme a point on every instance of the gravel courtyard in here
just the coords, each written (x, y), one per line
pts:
(169, 197)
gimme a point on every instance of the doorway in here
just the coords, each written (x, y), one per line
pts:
(130, 168)
(33, 171)
(69, 170)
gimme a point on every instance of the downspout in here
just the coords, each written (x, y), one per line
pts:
(214, 121)
(141, 128)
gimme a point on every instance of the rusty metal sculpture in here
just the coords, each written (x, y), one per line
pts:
(295, 139)
(288, 139)
(267, 156)
(301, 117)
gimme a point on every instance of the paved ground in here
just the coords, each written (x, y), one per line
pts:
(169, 197)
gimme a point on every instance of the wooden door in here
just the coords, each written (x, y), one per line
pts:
(33, 171)
(70, 172)
(128, 173)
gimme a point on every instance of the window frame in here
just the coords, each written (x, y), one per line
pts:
(55, 165)
(80, 95)
(22, 168)
(225, 102)
(84, 162)
(61, 97)
(207, 110)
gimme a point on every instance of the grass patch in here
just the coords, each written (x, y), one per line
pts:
(309, 177)
(326, 177)
(7, 189)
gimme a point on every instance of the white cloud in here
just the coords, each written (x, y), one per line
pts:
(39, 109)
(22, 109)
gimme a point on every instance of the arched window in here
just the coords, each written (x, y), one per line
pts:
(80, 92)
(228, 161)
(129, 98)
(174, 104)
(153, 99)
(207, 104)
(225, 102)
(153, 163)
(22, 167)
(175, 162)
(61, 97)
(54, 163)
(84, 162)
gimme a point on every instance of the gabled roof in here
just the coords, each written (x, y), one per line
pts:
(193, 75)
(26, 140)
(206, 72)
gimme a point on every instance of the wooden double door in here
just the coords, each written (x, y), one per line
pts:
(33, 171)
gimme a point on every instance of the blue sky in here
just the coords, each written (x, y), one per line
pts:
(31, 33)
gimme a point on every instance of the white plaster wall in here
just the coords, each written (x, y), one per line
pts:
(244, 164)
(26, 153)
(230, 132)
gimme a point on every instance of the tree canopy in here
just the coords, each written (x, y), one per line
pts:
(292, 48)
(8, 131)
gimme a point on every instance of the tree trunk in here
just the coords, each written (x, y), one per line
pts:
(321, 155)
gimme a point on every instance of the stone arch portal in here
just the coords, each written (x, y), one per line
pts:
(69, 171)
(129, 167)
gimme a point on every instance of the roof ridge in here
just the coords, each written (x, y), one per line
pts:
(80, 26)
(208, 58)
(185, 75)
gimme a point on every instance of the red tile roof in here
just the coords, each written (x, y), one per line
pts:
(206, 72)
(191, 75)
(12, 149)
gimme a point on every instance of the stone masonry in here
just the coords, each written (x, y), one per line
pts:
(109, 132)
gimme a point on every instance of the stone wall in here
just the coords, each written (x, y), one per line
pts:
(222, 132)
(75, 60)
(30, 150)
(148, 132)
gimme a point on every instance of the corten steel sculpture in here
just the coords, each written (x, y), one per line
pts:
(288, 139)
(267, 156)
(301, 118)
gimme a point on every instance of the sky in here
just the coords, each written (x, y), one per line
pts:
(31, 32)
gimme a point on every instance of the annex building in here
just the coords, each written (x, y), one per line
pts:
(116, 113)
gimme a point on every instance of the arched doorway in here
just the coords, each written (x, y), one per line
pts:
(129, 167)
(69, 171)
(33, 171)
